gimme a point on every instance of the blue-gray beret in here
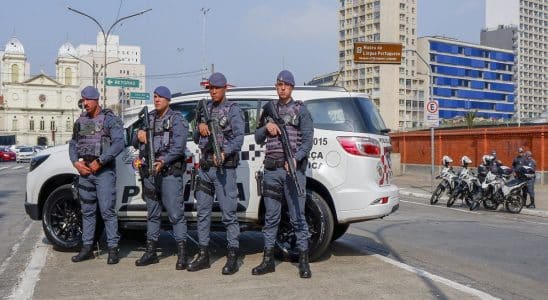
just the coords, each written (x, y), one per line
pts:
(163, 92)
(217, 80)
(90, 93)
(287, 77)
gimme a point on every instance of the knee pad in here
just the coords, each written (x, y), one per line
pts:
(204, 186)
(273, 191)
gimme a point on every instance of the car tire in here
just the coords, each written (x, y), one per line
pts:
(339, 230)
(320, 226)
(62, 220)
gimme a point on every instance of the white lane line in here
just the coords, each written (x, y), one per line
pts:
(436, 278)
(2, 168)
(25, 288)
(442, 207)
(17, 167)
(14, 249)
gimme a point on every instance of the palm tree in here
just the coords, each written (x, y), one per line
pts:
(469, 117)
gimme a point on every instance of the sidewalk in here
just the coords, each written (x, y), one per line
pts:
(417, 184)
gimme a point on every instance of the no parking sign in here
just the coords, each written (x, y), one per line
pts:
(431, 114)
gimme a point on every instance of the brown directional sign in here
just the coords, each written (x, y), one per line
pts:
(377, 53)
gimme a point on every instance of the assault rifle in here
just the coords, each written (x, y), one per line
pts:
(270, 111)
(212, 125)
(149, 155)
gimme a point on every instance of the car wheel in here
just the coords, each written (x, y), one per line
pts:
(339, 231)
(62, 220)
(320, 227)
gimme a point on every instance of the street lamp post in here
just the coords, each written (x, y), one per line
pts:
(105, 36)
(95, 73)
(430, 85)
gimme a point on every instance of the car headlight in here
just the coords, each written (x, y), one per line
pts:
(36, 161)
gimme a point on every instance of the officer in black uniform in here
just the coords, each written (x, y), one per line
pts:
(530, 162)
(97, 139)
(277, 184)
(165, 186)
(219, 180)
(519, 159)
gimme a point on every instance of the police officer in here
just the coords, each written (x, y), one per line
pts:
(96, 141)
(277, 184)
(165, 186)
(519, 159)
(219, 180)
(530, 162)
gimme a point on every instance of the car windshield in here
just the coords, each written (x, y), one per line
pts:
(26, 149)
(346, 114)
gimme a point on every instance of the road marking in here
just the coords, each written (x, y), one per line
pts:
(436, 278)
(25, 288)
(18, 167)
(14, 249)
(429, 205)
(2, 168)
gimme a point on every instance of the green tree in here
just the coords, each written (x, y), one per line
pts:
(469, 117)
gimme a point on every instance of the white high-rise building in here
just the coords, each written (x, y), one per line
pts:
(123, 61)
(528, 20)
(397, 90)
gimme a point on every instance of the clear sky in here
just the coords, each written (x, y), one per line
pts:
(248, 40)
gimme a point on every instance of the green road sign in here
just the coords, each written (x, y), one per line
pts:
(123, 82)
(139, 96)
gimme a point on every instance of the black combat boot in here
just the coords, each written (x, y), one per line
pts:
(304, 267)
(113, 256)
(231, 265)
(267, 265)
(86, 252)
(201, 261)
(181, 256)
(532, 204)
(149, 257)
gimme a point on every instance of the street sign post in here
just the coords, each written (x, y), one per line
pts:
(122, 82)
(431, 114)
(377, 53)
(139, 96)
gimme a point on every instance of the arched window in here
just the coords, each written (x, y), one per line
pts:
(14, 73)
(68, 76)
(14, 125)
(31, 124)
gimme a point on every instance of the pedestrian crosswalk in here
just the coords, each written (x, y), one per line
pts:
(13, 167)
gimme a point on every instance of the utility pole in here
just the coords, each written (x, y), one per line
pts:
(204, 68)
(105, 37)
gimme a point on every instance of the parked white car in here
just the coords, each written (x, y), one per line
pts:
(349, 178)
(24, 154)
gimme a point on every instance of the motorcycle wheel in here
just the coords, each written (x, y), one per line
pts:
(437, 194)
(490, 203)
(451, 200)
(514, 203)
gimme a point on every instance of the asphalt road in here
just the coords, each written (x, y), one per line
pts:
(421, 251)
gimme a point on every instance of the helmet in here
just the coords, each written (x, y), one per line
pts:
(487, 159)
(446, 160)
(465, 160)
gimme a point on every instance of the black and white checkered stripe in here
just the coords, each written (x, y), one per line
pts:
(253, 152)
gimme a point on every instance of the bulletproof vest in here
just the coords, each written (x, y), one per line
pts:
(93, 137)
(163, 131)
(220, 115)
(289, 113)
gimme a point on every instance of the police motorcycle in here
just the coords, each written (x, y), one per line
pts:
(491, 182)
(467, 186)
(510, 192)
(448, 180)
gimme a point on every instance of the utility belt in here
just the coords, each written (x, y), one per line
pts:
(176, 169)
(89, 158)
(230, 162)
(273, 164)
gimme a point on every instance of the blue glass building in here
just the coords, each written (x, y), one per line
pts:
(469, 77)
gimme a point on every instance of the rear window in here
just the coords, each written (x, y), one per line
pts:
(346, 114)
(26, 150)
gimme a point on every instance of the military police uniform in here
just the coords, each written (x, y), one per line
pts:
(219, 181)
(165, 189)
(518, 160)
(530, 162)
(101, 139)
(278, 185)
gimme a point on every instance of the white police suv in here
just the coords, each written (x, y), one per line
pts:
(348, 175)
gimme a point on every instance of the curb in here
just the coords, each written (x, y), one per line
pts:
(525, 211)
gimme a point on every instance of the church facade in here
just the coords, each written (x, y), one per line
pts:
(38, 110)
